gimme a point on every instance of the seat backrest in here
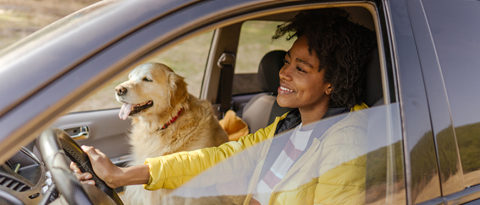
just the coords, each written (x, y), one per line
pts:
(261, 110)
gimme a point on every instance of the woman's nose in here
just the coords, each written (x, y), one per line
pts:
(285, 72)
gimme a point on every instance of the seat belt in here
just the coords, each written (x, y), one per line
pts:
(226, 62)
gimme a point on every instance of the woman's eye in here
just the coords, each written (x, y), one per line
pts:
(285, 61)
(301, 70)
(148, 80)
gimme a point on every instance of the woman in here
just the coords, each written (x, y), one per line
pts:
(322, 76)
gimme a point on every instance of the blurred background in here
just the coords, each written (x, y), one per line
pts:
(20, 18)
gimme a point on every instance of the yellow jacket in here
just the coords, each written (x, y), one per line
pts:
(331, 171)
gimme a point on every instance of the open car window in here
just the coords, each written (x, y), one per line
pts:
(187, 59)
(352, 158)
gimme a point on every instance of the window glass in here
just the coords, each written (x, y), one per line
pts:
(188, 59)
(255, 42)
(352, 158)
(456, 39)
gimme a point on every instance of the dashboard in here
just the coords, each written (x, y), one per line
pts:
(25, 180)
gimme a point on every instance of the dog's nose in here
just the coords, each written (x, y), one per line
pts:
(121, 90)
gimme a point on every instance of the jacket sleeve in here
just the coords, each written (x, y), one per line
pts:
(171, 171)
(342, 177)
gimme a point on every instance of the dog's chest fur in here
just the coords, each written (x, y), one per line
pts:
(157, 143)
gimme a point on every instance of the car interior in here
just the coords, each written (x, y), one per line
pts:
(221, 85)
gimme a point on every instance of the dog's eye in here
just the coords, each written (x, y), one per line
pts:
(148, 80)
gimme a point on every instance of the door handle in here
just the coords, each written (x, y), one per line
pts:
(78, 133)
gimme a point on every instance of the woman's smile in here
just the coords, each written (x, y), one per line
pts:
(284, 90)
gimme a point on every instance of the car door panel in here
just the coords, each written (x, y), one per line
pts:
(106, 132)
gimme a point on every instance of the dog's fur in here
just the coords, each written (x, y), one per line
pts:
(196, 127)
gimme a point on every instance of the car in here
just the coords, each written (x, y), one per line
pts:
(423, 122)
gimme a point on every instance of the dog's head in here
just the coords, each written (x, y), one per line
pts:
(151, 90)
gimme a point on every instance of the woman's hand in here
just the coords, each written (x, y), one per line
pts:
(102, 166)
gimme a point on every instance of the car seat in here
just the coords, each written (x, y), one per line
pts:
(261, 110)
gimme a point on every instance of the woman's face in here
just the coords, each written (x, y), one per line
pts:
(301, 85)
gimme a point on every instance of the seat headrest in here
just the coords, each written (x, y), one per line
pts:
(268, 69)
(373, 78)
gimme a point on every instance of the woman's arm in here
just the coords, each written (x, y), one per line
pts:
(169, 171)
(112, 175)
(173, 170)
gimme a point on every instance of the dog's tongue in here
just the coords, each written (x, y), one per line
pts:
(125, 111)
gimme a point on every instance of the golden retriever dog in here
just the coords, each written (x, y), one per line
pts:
(165, 119)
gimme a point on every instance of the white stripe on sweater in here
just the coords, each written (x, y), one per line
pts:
(292, 150)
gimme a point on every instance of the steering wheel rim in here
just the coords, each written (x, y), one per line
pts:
(54, 145)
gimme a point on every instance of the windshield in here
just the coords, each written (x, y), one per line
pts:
(67, 23)
(353, 158)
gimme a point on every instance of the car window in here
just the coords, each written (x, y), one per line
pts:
(456, 39)
(255, 42)
(187, 59)
(352, 158)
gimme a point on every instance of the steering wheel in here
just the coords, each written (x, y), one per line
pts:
(54, 145)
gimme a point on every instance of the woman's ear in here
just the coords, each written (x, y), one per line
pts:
(329, 89)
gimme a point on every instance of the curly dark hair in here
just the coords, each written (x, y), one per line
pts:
(342, 48)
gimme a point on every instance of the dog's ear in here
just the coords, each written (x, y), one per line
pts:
(173, 80)
(178, 88)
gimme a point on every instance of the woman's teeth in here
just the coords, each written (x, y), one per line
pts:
(286, 89)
